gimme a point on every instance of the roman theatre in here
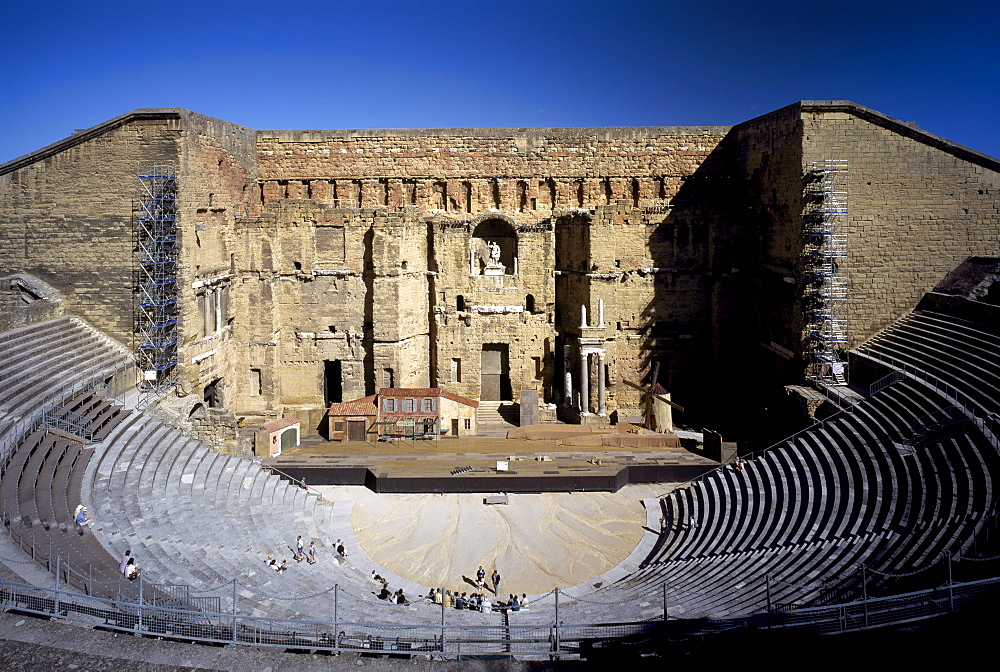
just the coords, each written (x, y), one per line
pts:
(650, 375)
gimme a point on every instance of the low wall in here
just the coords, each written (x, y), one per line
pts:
(386, 483)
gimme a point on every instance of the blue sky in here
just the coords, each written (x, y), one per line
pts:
(391, 64)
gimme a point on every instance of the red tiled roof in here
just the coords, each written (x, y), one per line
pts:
(286, 421)
(460, 399)
(365, 406)
(410, 392)
(420, 392)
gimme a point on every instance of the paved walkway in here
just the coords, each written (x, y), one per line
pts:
(536, 541)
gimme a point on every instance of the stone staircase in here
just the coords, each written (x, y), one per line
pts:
(494, 418)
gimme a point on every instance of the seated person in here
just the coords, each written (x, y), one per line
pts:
(82, 519)
(131, 570)
(385, 593)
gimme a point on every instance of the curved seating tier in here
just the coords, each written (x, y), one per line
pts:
(962, 353)
(40, 485)
(865, 486)
(38, 362)
(796, 523)
(192, 515)
(790, 527)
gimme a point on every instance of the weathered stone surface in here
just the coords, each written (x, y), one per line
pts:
(365, 255)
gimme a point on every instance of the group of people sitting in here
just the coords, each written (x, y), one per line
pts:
(386, 593)
(476, 601)
(127, 566)
(395, 598)
(279, 567)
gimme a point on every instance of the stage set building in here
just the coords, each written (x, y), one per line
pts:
(274, 273)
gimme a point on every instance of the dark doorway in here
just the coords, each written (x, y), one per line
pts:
(289, 439)
(356, 430)
(333, 382)
(495, 373)
(454, 426)
(213, 395)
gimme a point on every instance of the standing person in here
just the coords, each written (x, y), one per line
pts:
(312, 552)
(496, 580)
(299, 549)
(123, 565)
(481, 577)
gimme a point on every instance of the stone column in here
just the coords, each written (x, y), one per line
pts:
(568, 385)
(584, 383)
(602, 408)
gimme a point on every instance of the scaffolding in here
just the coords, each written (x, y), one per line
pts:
(827, 293)
(155, 245)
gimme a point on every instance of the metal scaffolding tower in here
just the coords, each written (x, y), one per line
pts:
(155, 238)
(826, 301)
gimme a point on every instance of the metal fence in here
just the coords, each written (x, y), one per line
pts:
(46, 406)
(555, 640)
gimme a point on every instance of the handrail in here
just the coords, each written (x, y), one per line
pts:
(140, 617)
(969, 407)
(16, 433)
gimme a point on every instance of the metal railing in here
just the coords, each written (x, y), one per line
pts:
(553, 640)
(972, 409)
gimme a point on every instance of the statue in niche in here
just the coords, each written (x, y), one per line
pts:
(494, 253)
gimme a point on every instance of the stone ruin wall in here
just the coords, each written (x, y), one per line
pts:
(533, 179)
(521, 172)
(66, 216)
(216, 191)
(918, 207)
(691, 237)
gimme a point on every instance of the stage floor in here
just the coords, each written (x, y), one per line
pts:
(428, 466)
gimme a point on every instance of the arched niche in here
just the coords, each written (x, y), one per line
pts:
(494, 247)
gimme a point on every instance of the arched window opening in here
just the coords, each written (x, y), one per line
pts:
(494, 248)
(529, 303)
(460, 303)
